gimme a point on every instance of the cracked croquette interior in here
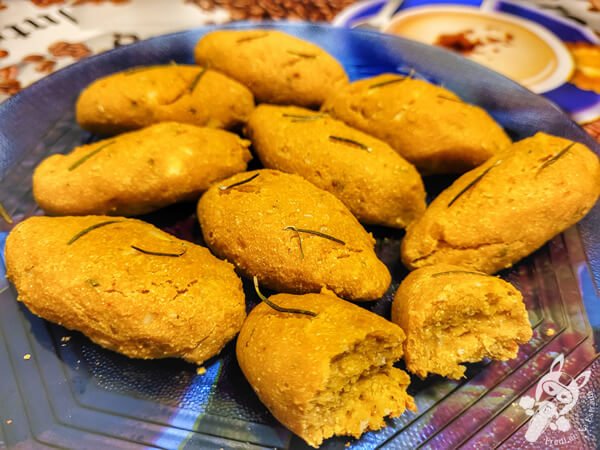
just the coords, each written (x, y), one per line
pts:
(464, 323)
(363, 389)
(331, 374)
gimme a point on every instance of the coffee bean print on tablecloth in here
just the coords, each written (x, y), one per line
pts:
(314, 10)
(97, 2)
(9, 84)
(44, 3)
(45, 66)
(76, 50)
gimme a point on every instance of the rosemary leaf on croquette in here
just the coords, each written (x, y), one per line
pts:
(473, 183)
(138, 69)
(303, 118)
(393, 81)
(94, 152)
(315, 233)
(252, 38)
(556, 157)
(302, 55)
(295, 230)
(155, 253)
(277, 307)
(239, 183)
(455, 100)
(85, 231)
(351, 142)
(196, 80)
(463, 272)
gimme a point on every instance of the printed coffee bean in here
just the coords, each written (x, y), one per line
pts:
(33, 58)
(315, 10)
(9, 73)
(97, 2)
(44, 3)
(45, 66)
(9, 87)
(75, 50)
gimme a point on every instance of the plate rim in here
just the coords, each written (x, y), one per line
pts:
(95, 58)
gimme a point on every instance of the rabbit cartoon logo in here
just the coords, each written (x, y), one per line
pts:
(560, 398)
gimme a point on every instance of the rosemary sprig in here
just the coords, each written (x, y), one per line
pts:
(136, 70)
(295, 230)
(277, 307)
(5, 215)
(150, 252)
(91, 228)
(351, 142)
(452, 272)
(239, 183)
(473, 183)
(395, 80)
(251, 38)
(556, 157)
(196, 80)
(385, 83)
(303, 118)
(83, 159)
(315, 233)
(301, 54)
(455, 100)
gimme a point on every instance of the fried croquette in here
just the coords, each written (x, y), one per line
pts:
(331, 374)
(126, 285)
(138, 172)
(428, 125)
(275, 66)
(143, 96)
(452, 315)
(376, 184)
(292, 235)
(504, 210)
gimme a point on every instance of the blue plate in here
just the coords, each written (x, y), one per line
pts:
(71, 393)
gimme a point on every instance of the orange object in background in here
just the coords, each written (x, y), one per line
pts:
(587, 65)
